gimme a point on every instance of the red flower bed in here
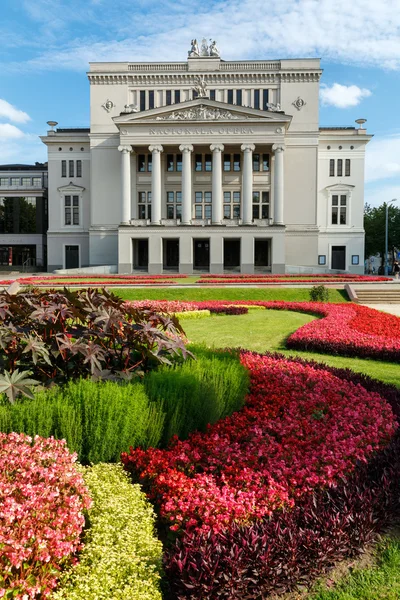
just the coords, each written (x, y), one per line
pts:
(300, 429)
(42, 496)
(162, 306)
(286, 279)
(300, 276)
(95, 280)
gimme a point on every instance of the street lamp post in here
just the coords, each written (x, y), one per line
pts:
(387, 234)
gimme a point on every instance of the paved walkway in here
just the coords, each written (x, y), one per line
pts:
(394, 309)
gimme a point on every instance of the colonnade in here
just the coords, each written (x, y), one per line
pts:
(217, 192)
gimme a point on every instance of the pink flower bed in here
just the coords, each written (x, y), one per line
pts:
(302, 428)
(95, 280)
(311, 276)
(42, 497)
(162, 306)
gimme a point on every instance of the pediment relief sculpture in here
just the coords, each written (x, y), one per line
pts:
(201, 113)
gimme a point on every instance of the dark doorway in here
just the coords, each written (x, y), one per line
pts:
(339, 257)
(140, 252)
(171, 254)
(201, 253)
(72, 257)
(261, 253)
(231, 254)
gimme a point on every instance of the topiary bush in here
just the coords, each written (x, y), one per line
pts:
(121, 558)
(319, 293)
(57, 336)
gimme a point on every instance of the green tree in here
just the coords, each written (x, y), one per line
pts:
(374, 225)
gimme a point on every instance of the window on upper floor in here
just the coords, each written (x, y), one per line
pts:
(202, 208)
(142, 98)
(63, 168)
(177, 96)
(174, 162)
(71, 210)
(168, 97)
(144, 163)
(71, 168)
(79, 168)
(331, 167)
(4, 181)
(144, 205)
(212, 94)
(239, 97)
(174, 205)
(37, 181)
(257, 99)
(236, 162)
(207, 162)
(26, 181)
(151, 98)
(339, 169)
(227, 162)
(15, 180)
(232, 205)
(230, 96)
(256, 162)
(339, 209)
(203, 162)
(260, 205)
(265, 162)
(265, 100)
(347, 168)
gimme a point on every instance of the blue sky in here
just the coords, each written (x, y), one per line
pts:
(46, 46)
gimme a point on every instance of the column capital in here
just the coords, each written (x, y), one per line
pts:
(278, 148)
(186, 148)
(125, 148)
(247, 147)
(217, 147)
(157, 148)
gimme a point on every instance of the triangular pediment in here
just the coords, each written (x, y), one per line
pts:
(71, 188)
(201, 110)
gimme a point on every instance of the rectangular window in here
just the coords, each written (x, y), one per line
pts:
(347, 168)
(178, 196)
(4, 181)
(265, 99)
(239, 97)
(227, 162)
(322, 259)
(265, 162)
(236, 211)
(63, 168)
(198, 211)
(170, 211)
(170, 197)
(67, 210)
(227, 211)
(230, 96)
(149, 162)
(71, 168)
(177, 96)
(265, 205)
(339, 210)
(79, 168)
(151, 98)
(75, 210)
(142, 100)
(198, 197)
(198, 162)
(212, 94)
(142, 197)
(236, 197)
(236, 162)
(168, 97)
(207, 211)
(339, 167)
(141, 163)
(256, 162)
(257, 99)
(227, 197)
(170, 162)
(142, 211)
(256, 211)
(256, 197)
(26, 181)
(15, 181)
(195, 94)
(207, 162)
(179, 163)
(332, 168)
(179, 211)
(37, 182)
(207, 197)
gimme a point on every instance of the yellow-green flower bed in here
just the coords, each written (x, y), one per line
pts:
(121, 559)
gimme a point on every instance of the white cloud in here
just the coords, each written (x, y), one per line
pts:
(383, 159)
(376, 196)
(24, 150)
(361, 32)
(8, 111)
(342, 96)
(8, 132)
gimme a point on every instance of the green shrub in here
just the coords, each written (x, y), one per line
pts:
(319, 293)
(192, 314)
(97, 420)
(197, 393)
(121, 558)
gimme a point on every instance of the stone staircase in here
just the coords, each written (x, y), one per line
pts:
(377, 295)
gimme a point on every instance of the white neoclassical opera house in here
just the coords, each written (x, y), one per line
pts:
(206, 165)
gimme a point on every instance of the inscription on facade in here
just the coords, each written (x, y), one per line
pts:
(160, 131)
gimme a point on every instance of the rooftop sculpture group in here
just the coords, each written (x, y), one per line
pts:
(205, 50)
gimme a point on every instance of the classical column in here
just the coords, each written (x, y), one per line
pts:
(126, 183)
(247, 187)
(186, 150)
(216, 150)
(156, 185)
(278, 149)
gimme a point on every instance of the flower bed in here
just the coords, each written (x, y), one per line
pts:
(42, 496)
(300, 276)
(269, 497)
(95, 280)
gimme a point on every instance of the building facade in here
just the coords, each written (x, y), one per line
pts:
(206, 165)
(23, 217)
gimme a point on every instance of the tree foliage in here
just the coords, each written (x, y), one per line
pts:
(374, 225)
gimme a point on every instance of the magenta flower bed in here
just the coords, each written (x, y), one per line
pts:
(95, 280)
(272, 495)
(294, 278)
(42, 497)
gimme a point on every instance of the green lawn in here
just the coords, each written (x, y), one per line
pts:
(278, 293)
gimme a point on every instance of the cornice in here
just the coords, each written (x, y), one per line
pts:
(214, 78)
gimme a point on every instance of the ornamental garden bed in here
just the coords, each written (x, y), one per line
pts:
(259, 279)
(95, 280)
(255, 494)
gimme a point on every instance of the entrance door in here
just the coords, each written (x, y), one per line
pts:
(261, 253)
(171, 254)
(72, 257)
(140, 254)
(231, 254)
(339, 257)
(201, 253)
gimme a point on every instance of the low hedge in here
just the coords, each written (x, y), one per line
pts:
(121, 558)
(194, 314)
